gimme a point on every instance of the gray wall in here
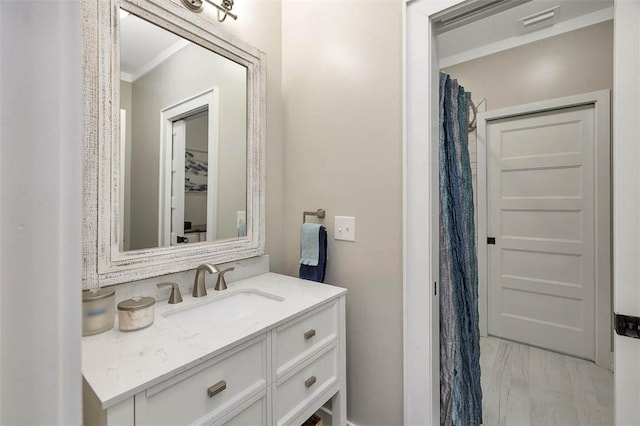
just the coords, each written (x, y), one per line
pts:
(571, 63)
(342, 99)
(205, 70)
(41, 218)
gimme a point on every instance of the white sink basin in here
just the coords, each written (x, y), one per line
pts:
(224, 308)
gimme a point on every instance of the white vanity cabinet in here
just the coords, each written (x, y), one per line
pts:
(279, 375)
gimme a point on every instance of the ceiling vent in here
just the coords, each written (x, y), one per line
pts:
(539, 17)
(471, 11)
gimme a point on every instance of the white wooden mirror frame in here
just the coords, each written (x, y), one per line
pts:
(104, 263)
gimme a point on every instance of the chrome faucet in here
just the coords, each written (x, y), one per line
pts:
(199, 288)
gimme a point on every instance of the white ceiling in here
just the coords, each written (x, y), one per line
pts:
(505, 25)
(142, 43)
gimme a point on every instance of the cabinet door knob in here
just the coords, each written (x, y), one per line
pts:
(309, 382)
(217, 388)
(309, 334)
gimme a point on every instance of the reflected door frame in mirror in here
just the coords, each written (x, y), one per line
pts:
(104, 262)
(207, 101)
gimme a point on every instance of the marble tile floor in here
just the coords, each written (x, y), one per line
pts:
(523, 385)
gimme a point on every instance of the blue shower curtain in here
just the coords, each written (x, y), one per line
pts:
(460, 391)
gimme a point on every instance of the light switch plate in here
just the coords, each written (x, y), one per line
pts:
(345, 228)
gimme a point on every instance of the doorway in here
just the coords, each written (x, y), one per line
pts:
(188, 197)
(544, 213)
(421, 362)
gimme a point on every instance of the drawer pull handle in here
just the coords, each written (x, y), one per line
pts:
(217, 388)
(309, 334)
(309, 382)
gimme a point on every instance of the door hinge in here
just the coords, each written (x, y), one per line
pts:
(491, 240)
(627, 325)
(435, 288)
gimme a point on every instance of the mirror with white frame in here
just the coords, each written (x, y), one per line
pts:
(174, 164)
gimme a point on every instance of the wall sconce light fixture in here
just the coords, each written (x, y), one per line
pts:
(224, 8)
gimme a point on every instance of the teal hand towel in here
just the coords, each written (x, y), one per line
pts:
(310, 244)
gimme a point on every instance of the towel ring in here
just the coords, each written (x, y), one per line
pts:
(320, 213)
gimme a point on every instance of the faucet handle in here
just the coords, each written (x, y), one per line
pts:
(176, 296)
(221, 284)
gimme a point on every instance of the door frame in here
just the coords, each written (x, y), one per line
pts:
(626, 204)
(205, 100)
(420, 206)
(602, 197)
(177, 140)
(124, 230)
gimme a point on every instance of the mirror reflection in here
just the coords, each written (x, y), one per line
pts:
(183, 138)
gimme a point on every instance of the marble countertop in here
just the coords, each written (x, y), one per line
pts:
(119, 364)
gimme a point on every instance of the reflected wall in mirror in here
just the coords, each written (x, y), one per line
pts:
(185, 132)
(174, 134)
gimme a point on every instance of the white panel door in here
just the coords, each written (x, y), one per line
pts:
(541, 212)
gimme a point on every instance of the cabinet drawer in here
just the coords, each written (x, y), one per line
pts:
(254, 413)
(294, 393)
(301, 338)
(216, 385)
